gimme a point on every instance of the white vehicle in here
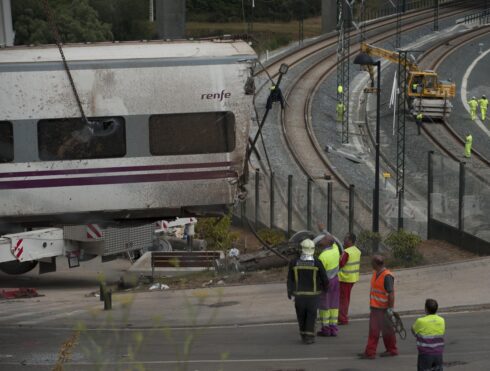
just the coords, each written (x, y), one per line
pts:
(167, 134)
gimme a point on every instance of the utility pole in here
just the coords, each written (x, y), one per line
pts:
(151, 11)
(436, 15)
(251, 21)
(170, 18)
(343, 67)
(6, 30)
(399, 9)
(400, 133)
(301, 31)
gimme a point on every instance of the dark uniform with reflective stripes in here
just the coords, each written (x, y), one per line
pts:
(306, 280)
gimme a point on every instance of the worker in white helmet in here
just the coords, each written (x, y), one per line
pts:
(307, 279)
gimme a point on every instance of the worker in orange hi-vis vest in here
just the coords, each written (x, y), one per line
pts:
(382, 301)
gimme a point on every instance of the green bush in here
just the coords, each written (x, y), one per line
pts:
(404, 248)
(272, 236)
(367, 240)
(216, 232)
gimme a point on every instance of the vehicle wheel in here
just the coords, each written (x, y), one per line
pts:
(15, 267)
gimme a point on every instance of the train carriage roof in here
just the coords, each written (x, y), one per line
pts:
(127, 50)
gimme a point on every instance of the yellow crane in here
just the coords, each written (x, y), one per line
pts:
(426, 92)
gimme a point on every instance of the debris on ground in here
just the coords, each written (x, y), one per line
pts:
(159, 286)
(18, 293)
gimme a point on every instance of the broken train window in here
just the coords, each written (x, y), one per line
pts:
(73, 139)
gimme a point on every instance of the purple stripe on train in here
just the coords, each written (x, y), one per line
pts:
(114, 169)
(118, 179)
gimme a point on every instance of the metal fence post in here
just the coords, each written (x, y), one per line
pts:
(461, 196)
(271, 223)
(102, 290)
(243, 212)
(308, 204)
(257, 198)
(108, 300)
(351, 208)
(430, 191)
(290, 205)
(400, 209)
(329, 206)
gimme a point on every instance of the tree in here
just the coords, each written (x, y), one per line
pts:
(128, 18)
(77, 21)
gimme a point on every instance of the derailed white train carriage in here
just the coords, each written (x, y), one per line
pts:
(170, 124)
(167, 135)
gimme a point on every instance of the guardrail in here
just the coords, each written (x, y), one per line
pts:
(481, 18)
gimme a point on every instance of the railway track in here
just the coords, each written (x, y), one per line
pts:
(302, 143)
(442, 135)
(299, 55)
(297, 128)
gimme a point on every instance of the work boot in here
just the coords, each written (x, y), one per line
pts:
(365, 356)
(309, 340)
(334, 330)
(325, 332)
(388, 354)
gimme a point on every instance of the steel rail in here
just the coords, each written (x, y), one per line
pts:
(304, 160)
(299, 55)
(442, 50)
(296, 56)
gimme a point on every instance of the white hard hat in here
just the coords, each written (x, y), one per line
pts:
(307, 247)
(473, 97)
(483, 96)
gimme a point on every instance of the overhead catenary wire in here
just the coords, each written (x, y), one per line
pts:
(57, 37)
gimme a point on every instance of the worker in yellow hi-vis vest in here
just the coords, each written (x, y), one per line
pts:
(473, 103)
(467, 146)
(429, 331)
(329, 301)
(483, 102)
(340, 109)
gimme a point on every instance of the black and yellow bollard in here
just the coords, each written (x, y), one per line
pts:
(108, 300)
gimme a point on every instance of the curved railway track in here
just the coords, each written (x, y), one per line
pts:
(443, 136)
(299, 55)
(296, 125)
(440, 134)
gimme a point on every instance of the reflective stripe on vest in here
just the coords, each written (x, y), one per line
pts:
(296, 280)
(379, 296)
(330, 258)
(350, 271)
(429, 331)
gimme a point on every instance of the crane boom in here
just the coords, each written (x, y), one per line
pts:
(425, 92)
(389, 55)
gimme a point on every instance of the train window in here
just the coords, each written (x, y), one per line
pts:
(192, 133)
(6, 142)
(72, 139)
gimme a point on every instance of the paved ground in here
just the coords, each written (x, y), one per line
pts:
(253, 326)
(237, 305)
(257, 347)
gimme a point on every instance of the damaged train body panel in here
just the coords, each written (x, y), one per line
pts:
(168, 125)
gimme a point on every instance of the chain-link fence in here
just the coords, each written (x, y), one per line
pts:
(459, 198)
